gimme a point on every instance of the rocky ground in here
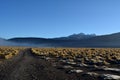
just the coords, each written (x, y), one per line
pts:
(28, 66)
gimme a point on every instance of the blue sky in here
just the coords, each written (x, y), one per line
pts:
(55, 18)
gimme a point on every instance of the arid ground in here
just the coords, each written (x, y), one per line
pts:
(26, 65)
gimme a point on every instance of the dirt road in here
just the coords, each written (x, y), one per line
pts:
(26, 66)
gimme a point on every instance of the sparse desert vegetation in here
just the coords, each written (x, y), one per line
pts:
(90, 63)
(59, 63)
(9, 52)
(97, 56)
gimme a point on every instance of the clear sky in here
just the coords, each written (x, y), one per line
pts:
(55, 18)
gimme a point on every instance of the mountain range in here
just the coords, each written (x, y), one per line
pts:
(74, 40)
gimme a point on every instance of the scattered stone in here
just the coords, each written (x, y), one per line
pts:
(71, 60)
(75, 71)
(71, 63)
(110, 77)
(92, 66)
(48, 58)
(92, 74)
(112, 69)
(103, 67)
(68, 61)
(81, 65)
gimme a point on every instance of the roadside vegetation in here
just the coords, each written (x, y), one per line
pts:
(97, 56)
(9, 52)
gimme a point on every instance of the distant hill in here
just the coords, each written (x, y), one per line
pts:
(75, 40)
(4, 42)
(28, 40)
(76, 36)
(39, 41)
(110, 40)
